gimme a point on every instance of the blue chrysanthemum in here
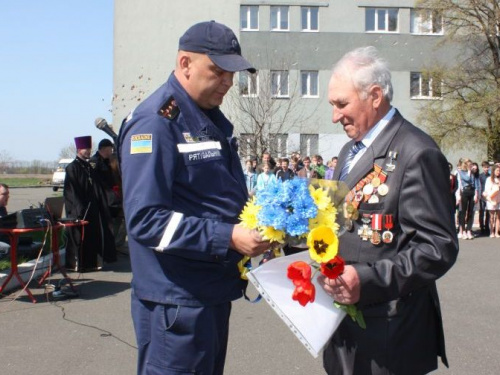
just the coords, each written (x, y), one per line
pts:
(296, 225)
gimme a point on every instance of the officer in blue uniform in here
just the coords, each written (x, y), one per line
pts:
(184, 189)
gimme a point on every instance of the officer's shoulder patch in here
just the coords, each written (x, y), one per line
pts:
(169, 109)
(141, 144)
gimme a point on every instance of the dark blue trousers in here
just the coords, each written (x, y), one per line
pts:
(176, 340)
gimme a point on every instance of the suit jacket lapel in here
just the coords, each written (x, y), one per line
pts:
(378, 149)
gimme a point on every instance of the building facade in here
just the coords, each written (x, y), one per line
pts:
(293, 44)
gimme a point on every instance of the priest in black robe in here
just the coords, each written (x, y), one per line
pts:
(82, 195)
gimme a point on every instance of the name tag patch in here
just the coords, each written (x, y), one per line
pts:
(141, 144)
(203, 155)
(194, 153)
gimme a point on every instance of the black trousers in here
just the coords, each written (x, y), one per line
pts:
(466, 216)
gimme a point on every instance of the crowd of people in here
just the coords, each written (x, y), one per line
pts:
(258, 175)
(474, 190)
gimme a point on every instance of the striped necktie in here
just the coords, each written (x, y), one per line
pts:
(355, 148)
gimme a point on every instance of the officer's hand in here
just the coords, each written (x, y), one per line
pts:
(247, 242)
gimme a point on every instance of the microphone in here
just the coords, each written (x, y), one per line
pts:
(102, 124)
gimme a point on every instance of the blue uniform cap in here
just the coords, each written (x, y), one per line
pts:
(219, 43)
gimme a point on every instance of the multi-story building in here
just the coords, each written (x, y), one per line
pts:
(293, 44)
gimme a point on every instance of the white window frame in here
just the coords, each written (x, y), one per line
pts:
(277, 84)
(425, 87)
(245, 140)
(425, 22)
(309, 79)
(246, 12)
(279, 145)
(377, 14)
(309, 14)
(250, 82)
(279, 10)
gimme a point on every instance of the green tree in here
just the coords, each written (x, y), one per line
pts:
(469, 114)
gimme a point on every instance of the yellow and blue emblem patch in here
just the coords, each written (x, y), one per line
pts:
(141, 144)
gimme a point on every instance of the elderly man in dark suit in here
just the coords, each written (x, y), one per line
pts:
(401, 236)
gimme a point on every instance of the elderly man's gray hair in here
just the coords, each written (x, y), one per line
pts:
(366, 68)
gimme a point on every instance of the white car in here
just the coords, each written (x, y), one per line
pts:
(60, 174)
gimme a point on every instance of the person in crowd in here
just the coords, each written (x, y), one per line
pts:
(484, 214)
(285, 173)
(119, 230)
(255, 163)
(453, 190)
(110, 203)
(331, 168)
(4, 199)
(300, 163)
(492, 195)
(294, 165)
(318, 166)
(267, 159)
(458, 207)
(100, 162)
(390, 271)
(250, 177)
(467, 196)
(183, 191)
(307, 171)
(266, 177)
(82, 189)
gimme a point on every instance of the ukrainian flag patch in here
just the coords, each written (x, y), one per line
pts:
(141, 144)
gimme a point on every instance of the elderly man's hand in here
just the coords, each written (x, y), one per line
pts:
(345, 289)
(248, 242)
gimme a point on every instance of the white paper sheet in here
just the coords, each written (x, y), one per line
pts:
(314, 323)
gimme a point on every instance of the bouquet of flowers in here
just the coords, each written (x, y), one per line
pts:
(301, 210)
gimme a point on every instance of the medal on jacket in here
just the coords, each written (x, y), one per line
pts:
(365, 231)
(387, 236)
(393, 155)
(376, 229)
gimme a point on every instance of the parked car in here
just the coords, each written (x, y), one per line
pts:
(60, 174)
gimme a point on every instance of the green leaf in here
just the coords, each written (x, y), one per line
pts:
(355, 314)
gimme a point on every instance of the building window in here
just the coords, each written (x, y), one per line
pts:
(279, 83)
(248, 84)
(279, 18)
(309, 17)
(249, 17)
(278, 146)
(426, 21)
(308, 145)
(246, 142)
(382, 19)
(424, 86)
(309, 83)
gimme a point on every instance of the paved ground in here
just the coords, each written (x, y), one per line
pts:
(93, 334)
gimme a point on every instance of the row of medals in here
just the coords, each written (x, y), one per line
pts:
(370, 189)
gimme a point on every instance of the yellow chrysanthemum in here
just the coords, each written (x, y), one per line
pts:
(325, 218)
(320, 197)
(271, 234)
(323, 244)
(248, 216)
